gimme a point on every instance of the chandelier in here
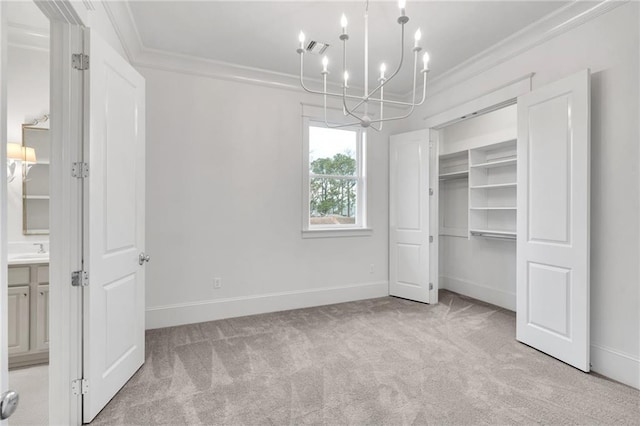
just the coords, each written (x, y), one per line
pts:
(355, 106)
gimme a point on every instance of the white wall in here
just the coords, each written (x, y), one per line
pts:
(609, 46)
(482, 268)
(224, 199)
(27, 99)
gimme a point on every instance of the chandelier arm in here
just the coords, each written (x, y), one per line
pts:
(344, 74)
(424, 87)
(381, 104)
(337, 126)
(368, 96)
(346, 108)
(413, 105)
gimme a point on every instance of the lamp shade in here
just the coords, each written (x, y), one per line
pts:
(14, 151)
(29, 155)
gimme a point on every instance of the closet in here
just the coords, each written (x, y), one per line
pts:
(491, 200)
(477, 207)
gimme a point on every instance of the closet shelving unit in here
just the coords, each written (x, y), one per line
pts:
(492, 190)
(454, 165)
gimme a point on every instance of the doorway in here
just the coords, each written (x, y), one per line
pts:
(28, 200)
(64, 111)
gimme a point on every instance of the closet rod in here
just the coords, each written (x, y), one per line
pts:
(492, 235)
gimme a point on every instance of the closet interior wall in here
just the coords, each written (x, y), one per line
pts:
(477, 195)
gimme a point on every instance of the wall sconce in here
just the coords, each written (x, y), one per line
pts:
(16, 154)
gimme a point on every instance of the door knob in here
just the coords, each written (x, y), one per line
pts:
(143, 258)
(8, 404)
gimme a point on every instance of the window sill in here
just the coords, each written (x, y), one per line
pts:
(337, 233)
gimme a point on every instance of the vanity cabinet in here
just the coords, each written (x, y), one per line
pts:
(28, 314)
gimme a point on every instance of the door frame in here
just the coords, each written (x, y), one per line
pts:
(66, 111)
(498, 98)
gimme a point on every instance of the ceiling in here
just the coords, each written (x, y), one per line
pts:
(264, 34)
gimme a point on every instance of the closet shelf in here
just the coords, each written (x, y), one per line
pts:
(493, 208)
(495, 185)
(498, 163)
(454, 175)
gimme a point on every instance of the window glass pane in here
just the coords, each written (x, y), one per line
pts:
(332, 201)
(332, 151)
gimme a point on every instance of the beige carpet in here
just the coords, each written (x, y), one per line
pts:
(32, 383)
(381, 361)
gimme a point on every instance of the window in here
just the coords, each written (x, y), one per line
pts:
(335, 181)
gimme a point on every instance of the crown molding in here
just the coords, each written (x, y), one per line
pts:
(560, 21)
(552, 25)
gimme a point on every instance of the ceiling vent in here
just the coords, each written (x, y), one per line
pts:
(316, 47)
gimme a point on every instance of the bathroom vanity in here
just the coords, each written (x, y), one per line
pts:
(28, 310)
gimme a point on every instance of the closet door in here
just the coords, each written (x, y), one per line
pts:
(553, 220)
(409, 217)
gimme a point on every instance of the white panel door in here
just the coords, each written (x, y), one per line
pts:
(553, 220)
(114, 228)
(409, 216)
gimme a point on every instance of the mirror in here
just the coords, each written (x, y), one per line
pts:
(35, 177)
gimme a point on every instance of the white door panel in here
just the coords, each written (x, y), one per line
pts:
(114, 320)
(553, 220)
(409, 216)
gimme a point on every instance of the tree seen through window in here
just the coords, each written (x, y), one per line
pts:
(333, 177)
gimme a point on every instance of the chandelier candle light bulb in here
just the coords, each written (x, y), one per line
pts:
(425, 61)
(357, 106)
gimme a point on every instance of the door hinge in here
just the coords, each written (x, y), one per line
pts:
(79, 278)
(79, 387)
(430, 286)
(430, 238)
(80, 61)
(430, 191)
(80, 170)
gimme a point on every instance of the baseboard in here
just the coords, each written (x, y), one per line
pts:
(480, 292)
(210, 310)
(616, 365)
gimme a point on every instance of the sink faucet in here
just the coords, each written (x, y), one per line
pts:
(41, 248)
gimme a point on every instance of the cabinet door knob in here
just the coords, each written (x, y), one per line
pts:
(24, 294)
(41, 293)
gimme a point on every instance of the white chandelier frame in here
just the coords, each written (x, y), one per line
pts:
(365, 120)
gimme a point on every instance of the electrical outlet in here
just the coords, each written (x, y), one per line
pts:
(371, 269)
(217, 282)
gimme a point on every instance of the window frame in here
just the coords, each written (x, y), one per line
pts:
(336, 230)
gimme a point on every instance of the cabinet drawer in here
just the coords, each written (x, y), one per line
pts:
(43, 274)
(19, 275)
